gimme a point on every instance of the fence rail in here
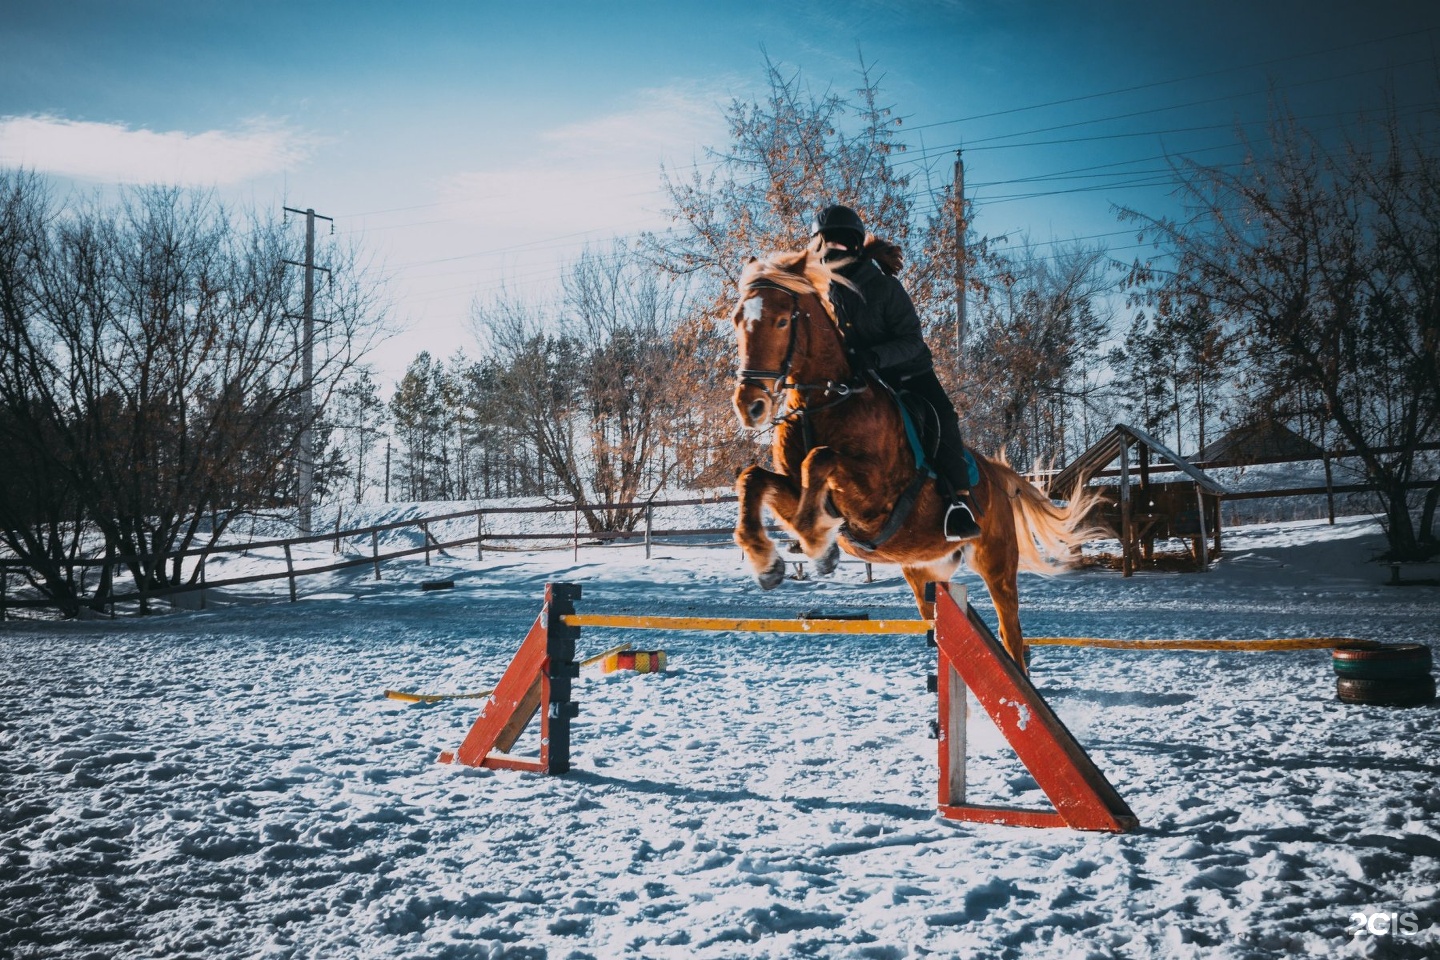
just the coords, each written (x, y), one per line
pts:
(198, 582)
(646, 534)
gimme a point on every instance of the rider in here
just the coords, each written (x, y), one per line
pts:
(883, 334)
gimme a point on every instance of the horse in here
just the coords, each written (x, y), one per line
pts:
(845, 476)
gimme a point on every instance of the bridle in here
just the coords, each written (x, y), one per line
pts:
(780, 381)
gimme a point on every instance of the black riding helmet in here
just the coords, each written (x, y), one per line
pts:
(840, 225)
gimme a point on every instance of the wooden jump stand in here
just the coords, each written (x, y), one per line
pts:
(540, 676)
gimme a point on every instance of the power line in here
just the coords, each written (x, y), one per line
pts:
(1174, 80)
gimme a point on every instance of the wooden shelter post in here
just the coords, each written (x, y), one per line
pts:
(1127, 558)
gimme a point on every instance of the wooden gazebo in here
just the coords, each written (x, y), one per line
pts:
(1141, 510)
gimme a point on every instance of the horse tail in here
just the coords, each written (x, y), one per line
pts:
(1048, 536)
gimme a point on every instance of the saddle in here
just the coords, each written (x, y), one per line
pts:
(922, 429)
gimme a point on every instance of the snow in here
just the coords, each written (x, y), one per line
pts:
(231, 782)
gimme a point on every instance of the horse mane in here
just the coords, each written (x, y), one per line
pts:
(798, 272)
(804, 271)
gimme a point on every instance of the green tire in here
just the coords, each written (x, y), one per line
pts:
(1399, 661)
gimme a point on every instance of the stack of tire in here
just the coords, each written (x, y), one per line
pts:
(1384, 675)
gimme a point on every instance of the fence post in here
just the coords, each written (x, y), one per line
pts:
(577, 532)
(202, 581)
(375, 552)
(425, 534)
(1127, 557)
(869, 572)
(290, 571)
(142, 584)
(1329, 488)
(479, 534)
(338, 511)
(649, 527)
(107, 576)
(1203, 542)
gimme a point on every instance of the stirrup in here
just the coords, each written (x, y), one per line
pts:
(960, 523)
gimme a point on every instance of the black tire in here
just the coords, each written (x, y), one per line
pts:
(1409, 692)
(1398, 661)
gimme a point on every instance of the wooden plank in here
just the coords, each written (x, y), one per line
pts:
(509, 694)
(952, 735)
(524, 712)
(1079, 791)
(1006, 816)
(406, 697)
(746, 625)
(502, 761)
(1179, 462)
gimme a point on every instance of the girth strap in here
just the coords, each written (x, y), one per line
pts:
(903, 507)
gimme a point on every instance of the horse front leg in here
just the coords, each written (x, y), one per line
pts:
(817, 524)
(758, 489)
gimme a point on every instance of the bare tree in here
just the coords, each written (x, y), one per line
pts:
(1038, 334)
(150, 355)
(1328, 265)
(600, 402)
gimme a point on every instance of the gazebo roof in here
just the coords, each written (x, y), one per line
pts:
(1259, 441)
(1107, 449)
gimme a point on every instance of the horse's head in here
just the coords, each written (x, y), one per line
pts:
(782, 298)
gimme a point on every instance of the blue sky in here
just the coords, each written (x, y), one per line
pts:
(468, 145)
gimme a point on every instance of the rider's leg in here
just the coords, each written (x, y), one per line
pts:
(960, 523)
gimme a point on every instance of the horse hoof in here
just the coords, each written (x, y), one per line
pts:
(771, 578)
(828, 561)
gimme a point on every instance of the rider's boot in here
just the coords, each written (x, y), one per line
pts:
(960, 515)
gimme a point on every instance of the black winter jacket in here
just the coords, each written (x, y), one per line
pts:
(880, 324)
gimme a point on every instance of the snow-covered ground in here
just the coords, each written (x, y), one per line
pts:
(231, 782)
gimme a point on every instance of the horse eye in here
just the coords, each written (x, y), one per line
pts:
(782, 323)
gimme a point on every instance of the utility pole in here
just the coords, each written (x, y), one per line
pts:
(960, 266)
(307, 359)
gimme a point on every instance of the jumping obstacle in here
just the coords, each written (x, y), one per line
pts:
(539, 680)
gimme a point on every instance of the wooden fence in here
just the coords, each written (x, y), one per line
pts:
(645, 533)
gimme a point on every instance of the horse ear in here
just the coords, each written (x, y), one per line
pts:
(800, 264)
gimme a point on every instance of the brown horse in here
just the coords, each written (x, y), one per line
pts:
(843, 462)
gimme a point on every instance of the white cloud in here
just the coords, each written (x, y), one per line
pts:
(114, 153)
(597, 174)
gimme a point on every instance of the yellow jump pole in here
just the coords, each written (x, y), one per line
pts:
(762, 625)
(1227, 646)
(742, 625)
